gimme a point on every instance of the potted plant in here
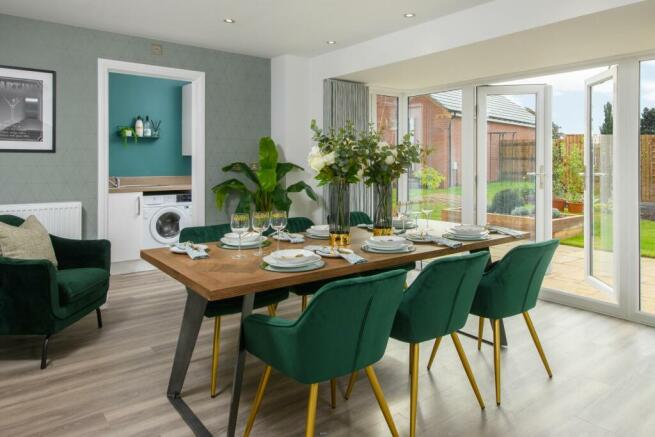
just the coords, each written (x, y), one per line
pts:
(126, 132)
(337, 160)
(384, 163)
(575, 202)
(270, 191)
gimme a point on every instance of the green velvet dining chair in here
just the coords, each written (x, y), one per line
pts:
(218, 309)
(345, 328)
(511, 287)
(437, 304)
(360, 218)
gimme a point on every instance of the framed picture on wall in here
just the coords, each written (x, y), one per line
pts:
(27, 110)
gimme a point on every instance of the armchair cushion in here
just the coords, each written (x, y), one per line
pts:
(79, 288)
(29, 240)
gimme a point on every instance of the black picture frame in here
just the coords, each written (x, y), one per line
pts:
(49, 126)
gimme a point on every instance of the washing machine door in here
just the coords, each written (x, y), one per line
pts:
(166, 223)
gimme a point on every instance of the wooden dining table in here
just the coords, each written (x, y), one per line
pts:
(221, 277)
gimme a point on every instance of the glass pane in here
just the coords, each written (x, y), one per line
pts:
(511, 162)
(168, 225)
(387, 121)
(435, 184)
(647, 187)
(568, 272)
(602, 126)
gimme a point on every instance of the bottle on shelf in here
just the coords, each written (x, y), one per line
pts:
(147, 127)
(138, 126)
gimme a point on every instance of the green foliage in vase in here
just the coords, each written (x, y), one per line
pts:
(383, 162)
(337, 155)
(267, 178)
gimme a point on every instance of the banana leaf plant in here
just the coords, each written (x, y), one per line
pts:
(269, 192)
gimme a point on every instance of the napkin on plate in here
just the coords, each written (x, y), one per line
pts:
(445, 241)
(192, 251)
(506, 231)
(352, 258)
(291, 238)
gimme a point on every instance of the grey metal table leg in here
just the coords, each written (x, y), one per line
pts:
(194, 311)
(246, 310)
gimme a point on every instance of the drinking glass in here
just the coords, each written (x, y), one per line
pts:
(427, 210)
(261, 220)
(278, 222)
(240, 223)
(402, 212)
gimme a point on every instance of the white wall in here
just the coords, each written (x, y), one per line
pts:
(297, 83)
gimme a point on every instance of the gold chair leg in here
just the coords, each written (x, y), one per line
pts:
(437, 342)
(333, 393)
(377, 390)
(467, 367)
(258, 400)
(480, 331)
(311, 410)
(351, 385)
(272, 309)
(537, 343)
(413, 390)
(303, 305)
(411, 358)
(216, 349)
(497, 358)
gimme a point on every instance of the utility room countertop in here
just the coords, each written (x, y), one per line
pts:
(146, 184)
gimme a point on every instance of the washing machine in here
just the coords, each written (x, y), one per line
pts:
(164, 216)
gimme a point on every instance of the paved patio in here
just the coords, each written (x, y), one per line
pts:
(568, 274)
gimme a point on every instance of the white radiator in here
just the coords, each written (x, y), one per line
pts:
(63, 219)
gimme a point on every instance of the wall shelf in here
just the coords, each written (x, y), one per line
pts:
(131, 139)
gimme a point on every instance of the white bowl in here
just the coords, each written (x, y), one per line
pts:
(293, 257)
(387, 241)
(468, 230)
(245, 237)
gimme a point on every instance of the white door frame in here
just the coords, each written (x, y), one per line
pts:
(197, 79)
(543, 158)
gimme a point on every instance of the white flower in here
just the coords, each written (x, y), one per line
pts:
(382, 145)
(360, 173)
(394, 152)
(329, 158)
(315, 159)
(389, 160)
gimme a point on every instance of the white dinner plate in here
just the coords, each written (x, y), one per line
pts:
(235, 243)
(465, 237)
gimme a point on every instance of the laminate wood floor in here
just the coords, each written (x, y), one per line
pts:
(112, 381)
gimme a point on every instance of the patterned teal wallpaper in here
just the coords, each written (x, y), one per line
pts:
(237, 109)
(161, 99)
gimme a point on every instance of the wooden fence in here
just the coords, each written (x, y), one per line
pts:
(647, 168)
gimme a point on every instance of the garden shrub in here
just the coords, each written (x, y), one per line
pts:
(505, 201)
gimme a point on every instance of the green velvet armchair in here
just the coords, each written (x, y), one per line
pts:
(511, 287)
(218, 309)
(345, 328)
(360, 218)
(38, 299)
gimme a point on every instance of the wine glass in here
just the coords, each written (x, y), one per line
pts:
(427, 210)
(261, 220)
(278, 222)
(240, 223)
(402, 212)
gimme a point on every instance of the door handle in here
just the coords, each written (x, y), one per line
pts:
(138, 206)
(541, 174)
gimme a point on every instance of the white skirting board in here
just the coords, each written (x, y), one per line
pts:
(63, 219)
(133, 266)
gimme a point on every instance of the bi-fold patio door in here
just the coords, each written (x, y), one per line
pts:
(599, 179)
(514, 159)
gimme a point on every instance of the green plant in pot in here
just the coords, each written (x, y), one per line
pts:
(269, 191)
(126, 132)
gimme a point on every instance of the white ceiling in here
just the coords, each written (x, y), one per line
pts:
(573, 42)
(263, 27)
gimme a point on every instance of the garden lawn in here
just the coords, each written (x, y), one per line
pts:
(646, 236)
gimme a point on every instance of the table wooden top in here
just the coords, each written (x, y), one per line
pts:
(220, 277)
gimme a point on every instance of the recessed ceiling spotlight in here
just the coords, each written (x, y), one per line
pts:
(229, 20)
(330, 42)
(409, 15)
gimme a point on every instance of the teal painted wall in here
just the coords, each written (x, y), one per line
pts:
(237, 109)
(161, 99)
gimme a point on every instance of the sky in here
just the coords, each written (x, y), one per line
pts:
(569, 96)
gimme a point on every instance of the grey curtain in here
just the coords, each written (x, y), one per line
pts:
(348, 101)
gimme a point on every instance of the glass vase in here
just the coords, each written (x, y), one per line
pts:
(339, 213)
(383, 214)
